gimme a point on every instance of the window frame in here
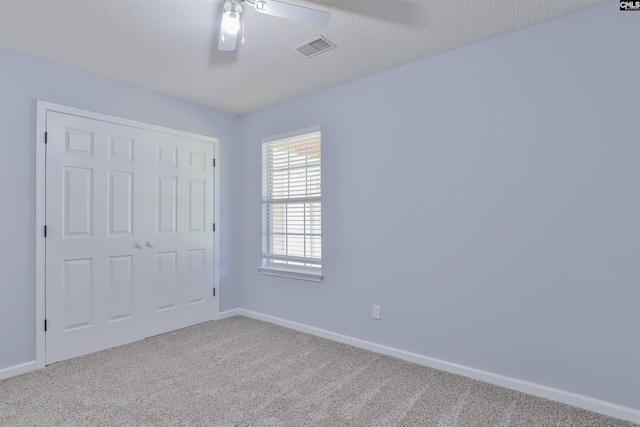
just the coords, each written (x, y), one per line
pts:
(267, 266)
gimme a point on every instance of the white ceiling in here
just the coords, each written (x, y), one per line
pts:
(170, 46)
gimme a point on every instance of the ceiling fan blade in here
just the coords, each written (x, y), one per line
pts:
(227, 41)
(292, 12)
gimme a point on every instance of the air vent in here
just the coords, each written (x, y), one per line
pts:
(314, 47)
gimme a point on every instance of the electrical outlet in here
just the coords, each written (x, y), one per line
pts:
(376, 312)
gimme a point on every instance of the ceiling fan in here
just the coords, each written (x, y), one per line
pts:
(233, 10)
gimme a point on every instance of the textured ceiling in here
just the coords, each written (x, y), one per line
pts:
(170, 46)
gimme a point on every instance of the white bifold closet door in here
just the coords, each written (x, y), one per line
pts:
(129, 247)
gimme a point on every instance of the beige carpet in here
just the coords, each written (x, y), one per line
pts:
(243, 372)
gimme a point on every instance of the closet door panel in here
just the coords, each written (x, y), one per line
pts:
(95, 207)
(181, 170)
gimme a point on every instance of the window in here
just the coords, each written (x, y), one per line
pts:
(292, 205)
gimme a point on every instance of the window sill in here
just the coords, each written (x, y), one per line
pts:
(311, 276)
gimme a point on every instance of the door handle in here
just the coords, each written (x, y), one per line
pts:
(139, 245)
(150, 244)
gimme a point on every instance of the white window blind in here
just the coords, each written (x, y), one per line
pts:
(291, 202)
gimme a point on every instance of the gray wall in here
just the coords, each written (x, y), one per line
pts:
(25, 79)
(487, 199)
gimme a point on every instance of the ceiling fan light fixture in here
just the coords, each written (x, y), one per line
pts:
(231, 22)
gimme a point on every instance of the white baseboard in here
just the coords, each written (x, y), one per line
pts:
(573, 399)
(230, 313)
(13, 371)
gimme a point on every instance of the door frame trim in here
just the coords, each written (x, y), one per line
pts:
(42, 108)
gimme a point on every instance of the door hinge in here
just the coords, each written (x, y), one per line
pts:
(45, 231)
(214, 226)
(46, 137)
(214, 163)
(45, 325)
(214, 292)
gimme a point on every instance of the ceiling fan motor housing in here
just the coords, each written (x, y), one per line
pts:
(234, 6)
